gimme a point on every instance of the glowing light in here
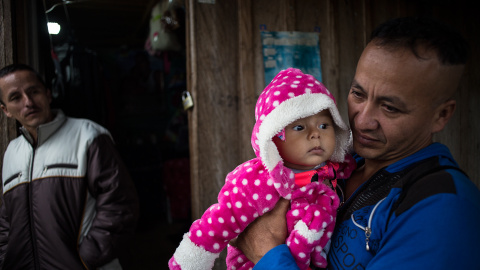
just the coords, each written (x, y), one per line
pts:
(53, 28)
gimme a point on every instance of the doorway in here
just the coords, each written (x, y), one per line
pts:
(104, 67)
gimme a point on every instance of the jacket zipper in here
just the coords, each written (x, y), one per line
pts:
(367, 229)
(32, 226)
(347, 201)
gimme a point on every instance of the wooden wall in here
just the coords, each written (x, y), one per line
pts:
(226, 73)
(7, 126)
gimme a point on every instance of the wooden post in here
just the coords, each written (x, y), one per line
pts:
(8, 129)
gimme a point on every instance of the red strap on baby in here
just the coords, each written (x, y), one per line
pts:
(304, 178)
(326, 172)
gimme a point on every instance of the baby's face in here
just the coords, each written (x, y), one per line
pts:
(308, 141)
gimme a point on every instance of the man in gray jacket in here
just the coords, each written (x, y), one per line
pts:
(68, 201)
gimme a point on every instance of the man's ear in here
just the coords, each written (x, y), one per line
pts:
(4, 109)
(443, 113)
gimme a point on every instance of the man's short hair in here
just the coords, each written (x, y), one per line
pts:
(412, 32)
(7, 70)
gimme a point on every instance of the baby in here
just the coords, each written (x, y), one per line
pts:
(301, 144)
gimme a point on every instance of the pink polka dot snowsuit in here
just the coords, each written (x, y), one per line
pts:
(255, 186)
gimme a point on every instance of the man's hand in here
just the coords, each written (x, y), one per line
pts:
(265, 233)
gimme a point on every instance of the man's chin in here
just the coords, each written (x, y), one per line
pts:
(34, 123)
(366, 152)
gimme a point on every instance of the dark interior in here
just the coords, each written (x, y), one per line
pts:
(98, 68)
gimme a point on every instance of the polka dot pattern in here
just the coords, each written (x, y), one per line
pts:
(248, 192)
(241, 202)
(312, 205)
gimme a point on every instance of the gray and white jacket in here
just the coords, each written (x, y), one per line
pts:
(68, 202)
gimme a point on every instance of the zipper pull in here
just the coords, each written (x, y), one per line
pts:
(368, 232)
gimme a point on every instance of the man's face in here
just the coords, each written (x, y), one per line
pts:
(391, 106)
(308, 141)
(25, 99)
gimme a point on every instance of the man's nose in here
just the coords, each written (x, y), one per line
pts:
(28, 100)
(366, 117)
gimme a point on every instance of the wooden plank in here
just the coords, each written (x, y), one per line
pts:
(6, 37)
(8, 130)
(268, 15)
(215, 148)
(350, 33)
(318, 16)
(214, 89)
(246, 85)
(191, 66)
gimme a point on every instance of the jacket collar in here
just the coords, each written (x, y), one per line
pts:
(46, 130)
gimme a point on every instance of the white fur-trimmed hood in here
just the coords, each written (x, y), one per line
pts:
(290, 96)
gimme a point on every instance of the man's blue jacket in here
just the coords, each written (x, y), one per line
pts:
(421, 212)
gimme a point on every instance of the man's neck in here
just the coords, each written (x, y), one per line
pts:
(362, 174)
(33, 131)
(33, 134)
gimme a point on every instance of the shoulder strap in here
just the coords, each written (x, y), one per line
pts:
(419, 171)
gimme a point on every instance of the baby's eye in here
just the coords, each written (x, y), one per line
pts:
(298, 128)
(323, 126)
